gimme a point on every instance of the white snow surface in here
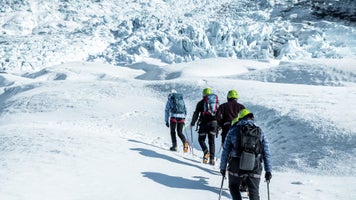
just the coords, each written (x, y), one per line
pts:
(82, 131)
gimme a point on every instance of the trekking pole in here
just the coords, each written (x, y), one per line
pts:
(220, 148)
(191, 137)
(219, 151)
(268, 189)
(186, 135)
(185, 132)
(221, 187)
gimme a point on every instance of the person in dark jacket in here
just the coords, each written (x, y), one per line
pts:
(207, 127)
(227, 112)
(231, 158)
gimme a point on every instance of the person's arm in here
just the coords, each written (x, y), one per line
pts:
(195, 115)
(267, 160)
(219, 116)
(227, 148)
(185, 110)
(167, 111)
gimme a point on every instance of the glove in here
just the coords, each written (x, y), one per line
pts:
(218, 131)
(268, 176)
(223, 172)
(167, 124)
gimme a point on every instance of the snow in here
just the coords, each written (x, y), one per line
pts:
(83, 87)
(38, 33)
(94, 131)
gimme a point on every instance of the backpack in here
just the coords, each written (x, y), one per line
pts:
(211, 104)
(177, 103)
(249, 147)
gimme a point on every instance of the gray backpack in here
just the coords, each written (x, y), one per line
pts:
(249, 147)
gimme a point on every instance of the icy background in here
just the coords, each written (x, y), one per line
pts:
(39, 33)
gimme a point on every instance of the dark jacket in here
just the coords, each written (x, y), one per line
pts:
(206, 122)
(228, 111)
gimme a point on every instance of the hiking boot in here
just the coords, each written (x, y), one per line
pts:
(206, 158)
(185, 148)
(212, 161)
(173, 148)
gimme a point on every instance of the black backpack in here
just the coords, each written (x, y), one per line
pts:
(249, 147)
(177, 102)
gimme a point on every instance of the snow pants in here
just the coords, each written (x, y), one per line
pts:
(211, 141)
(252, 185)
(177, 124)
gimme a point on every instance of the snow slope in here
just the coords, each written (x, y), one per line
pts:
(95, 131)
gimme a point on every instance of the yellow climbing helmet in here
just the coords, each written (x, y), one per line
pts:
(232, 94)
(243, 113)
(207, 91)
(234, 121)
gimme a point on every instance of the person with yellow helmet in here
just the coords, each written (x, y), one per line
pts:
(227, 112)
(205, 111)
(243, 165)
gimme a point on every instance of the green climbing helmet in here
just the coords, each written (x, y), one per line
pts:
(234, 121)
(232, 94)
(207, 91)
(243, 113)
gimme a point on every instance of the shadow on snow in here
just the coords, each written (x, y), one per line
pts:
(197, 183)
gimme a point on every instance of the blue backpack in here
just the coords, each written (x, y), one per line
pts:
(211, 104)
(177, 103)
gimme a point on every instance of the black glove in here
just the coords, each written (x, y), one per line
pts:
(268, 176)
(218, 131)
(167, 124)
(223, 172)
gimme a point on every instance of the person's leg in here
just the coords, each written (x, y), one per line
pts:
(243, 186)
(180, 126)
(201, 140)
(173, 125)
(234, 185)
(211, 140)
(253, 188)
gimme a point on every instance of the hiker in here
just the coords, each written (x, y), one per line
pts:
(227, 112)
(176, 112)
(245, 163)
(205, 111)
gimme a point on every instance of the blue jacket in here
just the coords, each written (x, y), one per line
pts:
(168, 112)
(230, 146)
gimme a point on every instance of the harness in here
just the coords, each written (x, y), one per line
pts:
(252, 175)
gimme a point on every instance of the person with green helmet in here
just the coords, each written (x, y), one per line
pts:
(205, 111)
(227, 112)
(232, 157)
